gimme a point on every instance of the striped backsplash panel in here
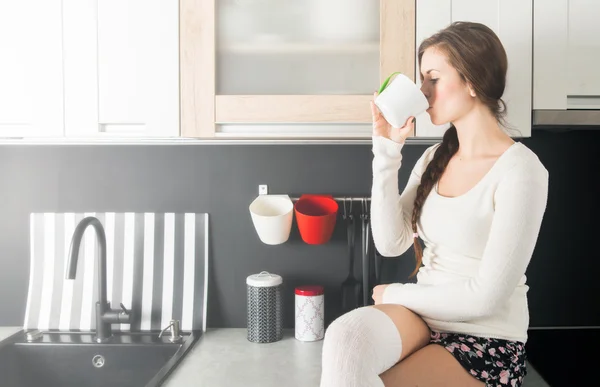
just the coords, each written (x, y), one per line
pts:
(157, 266)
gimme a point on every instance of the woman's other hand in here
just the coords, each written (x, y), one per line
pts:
(378, 293)
(383, 128)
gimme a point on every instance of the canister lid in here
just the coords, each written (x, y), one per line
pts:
(264, 279)
(310, 290)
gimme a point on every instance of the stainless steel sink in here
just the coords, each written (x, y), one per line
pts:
(75, 359)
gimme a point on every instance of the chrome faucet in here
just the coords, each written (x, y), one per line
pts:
(105, 316)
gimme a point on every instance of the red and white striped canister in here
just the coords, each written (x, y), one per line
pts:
(310, 313)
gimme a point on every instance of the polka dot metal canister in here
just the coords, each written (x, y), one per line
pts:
(310, 308)
(264, 307)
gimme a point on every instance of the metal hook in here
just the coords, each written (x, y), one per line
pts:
(350, 211)
(362, 205)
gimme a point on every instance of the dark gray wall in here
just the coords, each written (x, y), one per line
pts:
(223, 179)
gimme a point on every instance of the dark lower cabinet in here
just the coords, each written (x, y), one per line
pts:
(566, 357)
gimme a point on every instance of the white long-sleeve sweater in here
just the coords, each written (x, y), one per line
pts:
(477, 245)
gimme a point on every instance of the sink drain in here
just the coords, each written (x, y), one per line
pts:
(98, 361)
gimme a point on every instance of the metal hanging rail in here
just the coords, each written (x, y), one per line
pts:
(342, 198)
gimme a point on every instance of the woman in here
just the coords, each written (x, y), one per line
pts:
(477, 202)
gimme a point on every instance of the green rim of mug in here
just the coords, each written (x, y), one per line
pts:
(385, 83)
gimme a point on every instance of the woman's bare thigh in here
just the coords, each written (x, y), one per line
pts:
(432, 366)
(413, 331)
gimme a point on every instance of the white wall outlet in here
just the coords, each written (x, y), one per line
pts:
(263, 189)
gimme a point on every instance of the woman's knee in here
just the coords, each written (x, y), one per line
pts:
(365, 337)
(349, 328)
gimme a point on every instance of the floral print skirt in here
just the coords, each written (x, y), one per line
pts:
(495, 362)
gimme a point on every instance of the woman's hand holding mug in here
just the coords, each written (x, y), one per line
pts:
(384, 129)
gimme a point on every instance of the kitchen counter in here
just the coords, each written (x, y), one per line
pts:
(8, 331)
(225, 358)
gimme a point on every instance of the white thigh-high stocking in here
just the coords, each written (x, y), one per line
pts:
(358, 347)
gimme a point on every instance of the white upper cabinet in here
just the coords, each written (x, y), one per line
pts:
(31, 77)
(512, 21)
(566, 55)
(121, 68)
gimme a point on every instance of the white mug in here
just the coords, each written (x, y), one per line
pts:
(399, 99)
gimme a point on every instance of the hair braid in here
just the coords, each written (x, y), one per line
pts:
(432, 174)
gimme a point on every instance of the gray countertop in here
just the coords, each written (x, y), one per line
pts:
(8, 331)
(223, 357)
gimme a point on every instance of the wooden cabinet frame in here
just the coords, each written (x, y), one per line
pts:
(202, 109)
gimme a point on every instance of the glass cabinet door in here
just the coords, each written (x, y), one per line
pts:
(295, 47)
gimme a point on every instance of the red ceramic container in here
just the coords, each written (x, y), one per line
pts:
(316, 216)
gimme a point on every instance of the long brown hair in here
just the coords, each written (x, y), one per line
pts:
(477, 54)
